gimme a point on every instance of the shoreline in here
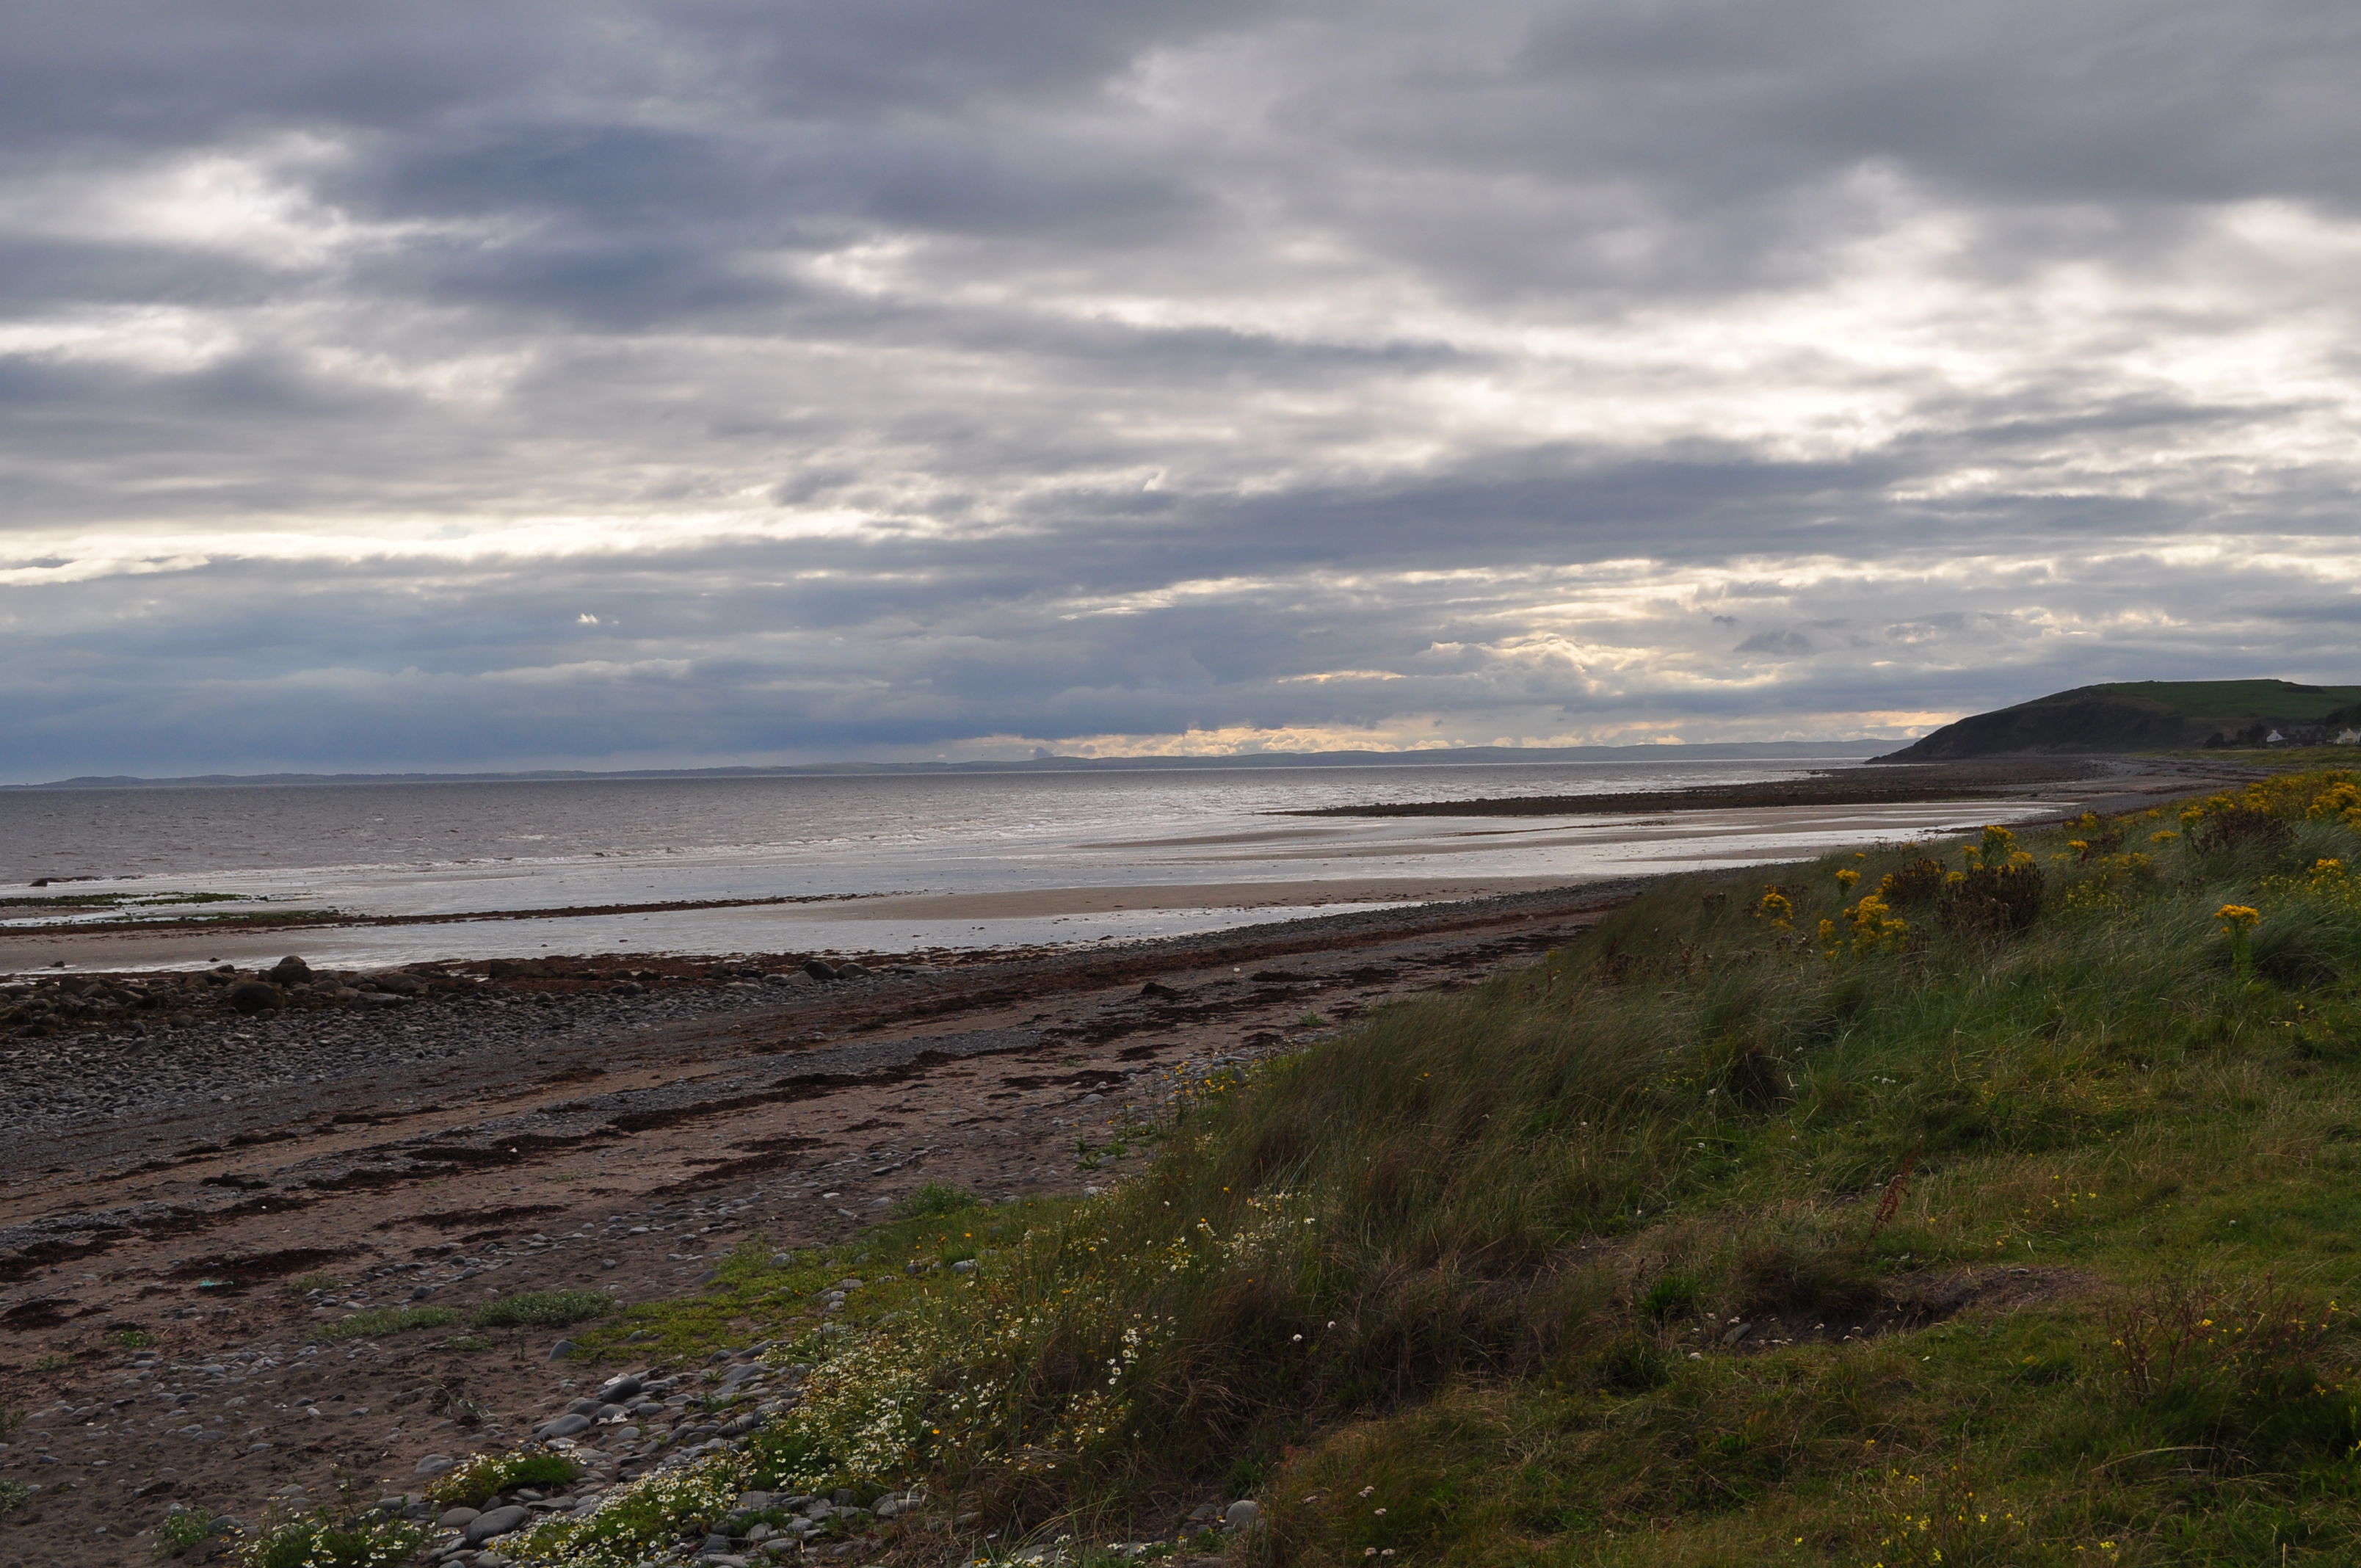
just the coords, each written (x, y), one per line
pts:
(1875, 784)
(1588, 839)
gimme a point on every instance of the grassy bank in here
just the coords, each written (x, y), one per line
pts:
(1982, 1204)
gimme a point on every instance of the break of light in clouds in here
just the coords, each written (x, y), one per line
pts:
(444, 386)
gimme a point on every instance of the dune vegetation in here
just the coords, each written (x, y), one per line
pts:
(1973, 1203)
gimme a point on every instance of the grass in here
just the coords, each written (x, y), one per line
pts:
(936, 1199)
(477, 1480)
(305, 1284)
(755, 1297)
(2004, 1211)
(320, 1539)
(12, 1494)
(181, 1530)
(131, 1339)
(378, 1322)
(542, 1309)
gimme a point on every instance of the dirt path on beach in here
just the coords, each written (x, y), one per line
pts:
(447, 1149)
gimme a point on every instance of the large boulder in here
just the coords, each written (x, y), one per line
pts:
(256, 996)
(290, 971)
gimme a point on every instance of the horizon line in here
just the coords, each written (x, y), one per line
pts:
(1051, 763)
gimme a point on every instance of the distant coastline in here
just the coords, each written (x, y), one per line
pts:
(1492, 755)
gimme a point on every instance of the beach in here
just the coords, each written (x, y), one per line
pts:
(503, 1117)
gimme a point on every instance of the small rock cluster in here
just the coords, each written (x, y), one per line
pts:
(644, 1425)
(636, 1425)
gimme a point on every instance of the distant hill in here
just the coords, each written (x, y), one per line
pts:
(1704, 751)
(2144, 716)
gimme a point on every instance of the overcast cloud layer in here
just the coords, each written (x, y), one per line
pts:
(579, 384)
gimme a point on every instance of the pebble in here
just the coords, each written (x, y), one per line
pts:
(499, 1522)
(111, 1071)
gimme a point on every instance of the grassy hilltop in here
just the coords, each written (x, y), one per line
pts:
(2138, 715)
(1982, 1203)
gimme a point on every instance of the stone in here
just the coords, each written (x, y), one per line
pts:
(458, 1519)
(1244, 1514)
(499, 1522)
(433, 1464)
(819, 968)
(561, 1350)
(564, 1426)
(290, 971)
(796, 981)
(583, 1408)
(890, 1506)
(852, 971)
(619, 1391)
(251, 996)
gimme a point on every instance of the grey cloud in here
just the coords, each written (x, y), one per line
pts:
(1510, 368)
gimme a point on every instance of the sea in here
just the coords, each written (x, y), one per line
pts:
(877, 863)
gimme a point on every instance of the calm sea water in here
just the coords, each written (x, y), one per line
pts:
(448, 849)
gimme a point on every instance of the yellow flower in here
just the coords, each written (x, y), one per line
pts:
(1847, 877)
(2238, 917)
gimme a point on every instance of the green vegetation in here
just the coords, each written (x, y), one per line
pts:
(131, 1339)
(320, 1539)
(181, 1530)
(936, 1199)
(2126, 715)
(755, 1297)
(305, 1284)
(1985, 1204)
(12, 1494)
(2211, 701)
(378, 1322)
(542, 1309)
(477, 1480)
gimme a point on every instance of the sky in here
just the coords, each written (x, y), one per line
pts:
(600, 385)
